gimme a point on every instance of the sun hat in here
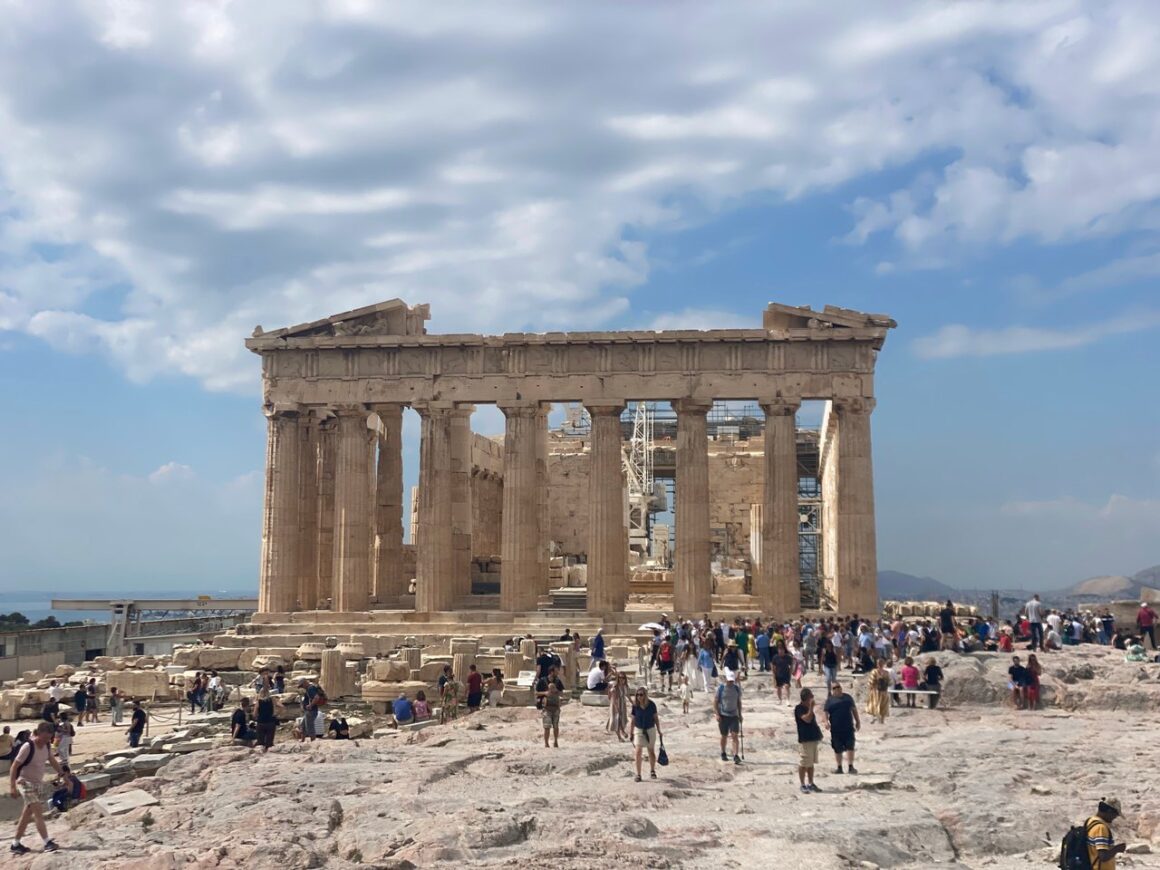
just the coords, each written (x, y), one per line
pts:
(1112, 804)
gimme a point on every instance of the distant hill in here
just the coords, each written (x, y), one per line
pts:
(896, 586)
(1119, 588)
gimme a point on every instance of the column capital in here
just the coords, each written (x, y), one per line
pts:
(604, 406)
(781, 406)
(855, 405)
(387, 407)
(350, 411)
(463, 409)
(692, 406)
(519, 408)
(286, 410)
(433, 408)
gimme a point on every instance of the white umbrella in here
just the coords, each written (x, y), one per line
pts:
(651, 626)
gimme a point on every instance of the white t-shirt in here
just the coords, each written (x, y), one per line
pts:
(1034, 611)
(1053, 620)
(56, 692)
(33, 760)
(595, 678)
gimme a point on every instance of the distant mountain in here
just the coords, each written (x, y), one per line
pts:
(896, 586)
(1117, 588)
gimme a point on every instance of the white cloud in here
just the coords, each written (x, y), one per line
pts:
(958, 340)
(170, 472)
(703, 318)
(222, 166)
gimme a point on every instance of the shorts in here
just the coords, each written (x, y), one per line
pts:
(781, 680)
(808, 753)
(644, 737)
(842, 742)
(729, 725)
(666, 667)
(34, 793)
(474, 699)
(550, 718)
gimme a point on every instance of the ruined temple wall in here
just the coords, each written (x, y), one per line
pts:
(736, 478)
(486, 515)
(568, 498)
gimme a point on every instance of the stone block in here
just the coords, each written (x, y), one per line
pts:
(149, 763)
(65, 670)
(514, 696)
(430, 671)
(352, 651)
(123, 753)
(186, 656)
(464, 645)
(143, 684)
(593, 699)
(94, 782)
(311, 652)
(218, 659)
(246, 658)
(32, 676)
(374, 690)
(184, 746)
(267, 660)
(123, 802)
(389, 671)
(418, 726)
(119, 767)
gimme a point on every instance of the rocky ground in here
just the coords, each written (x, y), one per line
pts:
(974, 785)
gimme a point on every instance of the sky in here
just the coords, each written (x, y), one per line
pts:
(173, 174)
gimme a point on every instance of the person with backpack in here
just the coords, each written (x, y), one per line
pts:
(26, 781)
(1090, 846)
(727, 709)
(665, 656)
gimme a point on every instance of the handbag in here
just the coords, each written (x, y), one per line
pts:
(662, 756)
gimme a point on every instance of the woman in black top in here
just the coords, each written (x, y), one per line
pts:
(267, 721)
(933, 679)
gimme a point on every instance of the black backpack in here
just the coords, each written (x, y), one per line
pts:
(1073, 851)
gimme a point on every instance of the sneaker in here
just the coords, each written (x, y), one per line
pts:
(638, 777)
(805, 789)
(837, 770)
(736, 759)
(852, 769)
(652, 774)
(19, 849)
(724, 757)
(51, 846)
(813, 788)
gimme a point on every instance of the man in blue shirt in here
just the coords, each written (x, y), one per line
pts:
(762, 642)
(598, 645)
(404, 711)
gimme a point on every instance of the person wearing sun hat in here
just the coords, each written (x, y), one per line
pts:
(1102, 848)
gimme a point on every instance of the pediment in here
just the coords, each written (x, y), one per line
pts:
(393, 317)
(779, 316)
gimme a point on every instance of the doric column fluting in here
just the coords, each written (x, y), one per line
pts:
(519, 585)
(461, 521)
(778, 586)
(324, 463)
(278, 576)
(307, 535)
(389, 582)
(352, 511)
(607, 533)
(434, 580)
(856, 571)
(692, 580)
(543, 515)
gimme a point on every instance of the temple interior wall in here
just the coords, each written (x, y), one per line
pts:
(568, 466)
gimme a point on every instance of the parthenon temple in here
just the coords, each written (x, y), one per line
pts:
(679, 473)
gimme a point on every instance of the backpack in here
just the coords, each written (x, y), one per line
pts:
(729, 709)
(1073, 850)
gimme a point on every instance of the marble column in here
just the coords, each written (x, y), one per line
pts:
(856, 571)
(461, 527)
(352, 511)
(544, 530)
(519, 586)
(278, 577)
(327, 439)
(692, 581)
(607, 534)
(777, 585)
(306, 596)
(389, 582)
(434, 579)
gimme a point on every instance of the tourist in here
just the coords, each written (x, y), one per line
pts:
(685, 693)
(946, 625)
(731, 660)
(267, 721)
(809, 739)
(727, 709)
(782, 663)
(1034, 612)
(707, 665)
(91, 707)
(741, 640)
(665, 656)
(444, 678)
(449, 700)
(56, 691)
(842, 722)
(763, 656)
(551, 713)
(644, 730)
(80, 702)
(26, 781)
(338, 728)
(7, 753)
(474, 689)
(137, 721)
(828, 662)
(194, 694)
(1017, 682)
(878, 698)
(1102, 847)
(240, 723)
(403, 710)
(910, 679)
(494, 688)
(543, 663)
(933, 678)
(65, 733)
(1052, 641)
(598, 677)
(280, 680)
(598, 645)
(69, 790)
(213, 694)
(1146, 622)
(116, 707)
(1034, 672)
(865, 663)
(310, 726)
(51, 711)
(421, 708)
(618, 707)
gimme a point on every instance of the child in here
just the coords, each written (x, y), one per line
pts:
(686, 694)
(64, 738)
